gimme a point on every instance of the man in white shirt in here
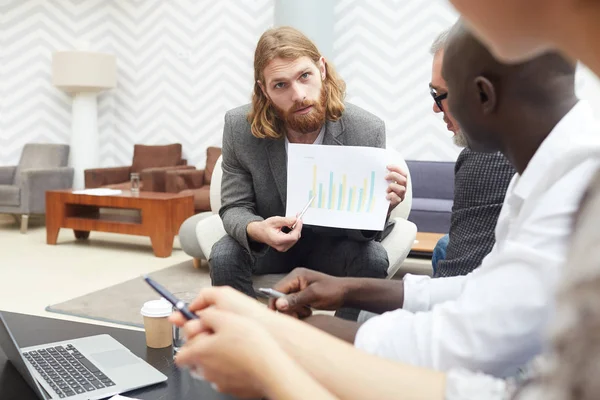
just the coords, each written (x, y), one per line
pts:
(493, 319)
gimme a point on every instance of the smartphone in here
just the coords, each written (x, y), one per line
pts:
(274, 294)
(178, 304)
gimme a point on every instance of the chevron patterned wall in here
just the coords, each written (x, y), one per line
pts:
(181, 65)
(382, 51)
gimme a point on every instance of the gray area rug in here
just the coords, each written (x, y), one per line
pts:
(121, 303)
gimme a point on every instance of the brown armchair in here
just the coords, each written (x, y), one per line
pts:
(147, 161)
(196, 181)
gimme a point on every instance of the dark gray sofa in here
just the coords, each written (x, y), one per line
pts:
(433, 194)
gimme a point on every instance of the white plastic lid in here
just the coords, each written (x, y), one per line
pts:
(157, 308)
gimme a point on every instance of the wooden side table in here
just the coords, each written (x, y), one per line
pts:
(425, 243)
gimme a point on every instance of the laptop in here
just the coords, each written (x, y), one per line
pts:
(93, 367)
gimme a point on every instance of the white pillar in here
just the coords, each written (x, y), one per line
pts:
(315, 18)
(84, 153)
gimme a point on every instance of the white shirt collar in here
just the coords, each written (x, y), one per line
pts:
(318, 140)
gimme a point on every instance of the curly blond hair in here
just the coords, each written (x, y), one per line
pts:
(288, 43)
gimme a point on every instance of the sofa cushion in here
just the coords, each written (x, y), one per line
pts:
(10, 195)
(434, 205)
(431, 221)
(155, 156)
(201, 198)
(212, 155)
(432, 179)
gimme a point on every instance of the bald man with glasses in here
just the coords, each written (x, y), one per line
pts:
(480, 183)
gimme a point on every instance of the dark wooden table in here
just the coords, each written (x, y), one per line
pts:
(156, 215)
(31, 330)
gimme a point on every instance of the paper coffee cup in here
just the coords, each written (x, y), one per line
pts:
(159, 331)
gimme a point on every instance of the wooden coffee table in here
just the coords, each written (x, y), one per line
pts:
(156, 215)
(425, 243)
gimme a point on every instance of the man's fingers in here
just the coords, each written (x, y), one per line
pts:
(272, 305)
(298, 229)
(300, 299)
(396, 169)
(394, 198)
(280, 222)
(190, 355)
(282, 304)
(304, 312)
(291, 283)
(396, 178)
(214, 319)
(195, 327)
(178, 319)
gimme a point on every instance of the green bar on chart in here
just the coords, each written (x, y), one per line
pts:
(330, 201)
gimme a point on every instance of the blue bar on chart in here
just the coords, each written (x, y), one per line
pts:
(320, 195)
(370, 208)
(330, 204)
(360, 200)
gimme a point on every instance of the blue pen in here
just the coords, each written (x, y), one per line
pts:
(178, 304)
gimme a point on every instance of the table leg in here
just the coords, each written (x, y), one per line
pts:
(55, 211)
(162, 244)
(81, 234)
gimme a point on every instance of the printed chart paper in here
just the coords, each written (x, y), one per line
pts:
(347, 182)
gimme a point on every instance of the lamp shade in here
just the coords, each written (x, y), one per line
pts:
(83, 71)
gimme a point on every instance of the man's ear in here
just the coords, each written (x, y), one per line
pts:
(487, 94)
(322, 68)
(263, 88)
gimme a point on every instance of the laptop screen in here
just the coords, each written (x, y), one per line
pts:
(13, 353)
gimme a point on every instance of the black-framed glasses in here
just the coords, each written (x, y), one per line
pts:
(438, 98)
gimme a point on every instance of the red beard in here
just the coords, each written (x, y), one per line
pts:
(305, 123)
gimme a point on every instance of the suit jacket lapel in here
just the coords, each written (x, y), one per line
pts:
(333, 132)
(278, 162)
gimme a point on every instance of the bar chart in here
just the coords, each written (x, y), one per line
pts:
(346, 184)
(336, 194)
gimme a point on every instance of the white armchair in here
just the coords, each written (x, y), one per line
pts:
(199, 233)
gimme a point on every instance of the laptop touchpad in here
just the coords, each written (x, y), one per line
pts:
(114, 359)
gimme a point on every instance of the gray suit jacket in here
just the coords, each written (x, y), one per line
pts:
(254, 185)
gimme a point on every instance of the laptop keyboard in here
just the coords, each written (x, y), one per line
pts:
(67, 371)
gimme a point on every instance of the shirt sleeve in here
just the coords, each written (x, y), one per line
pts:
(495, 326)
(421, 293)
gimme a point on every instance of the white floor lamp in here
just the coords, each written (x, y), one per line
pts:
(84, 74)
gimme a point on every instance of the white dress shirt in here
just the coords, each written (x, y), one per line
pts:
(318, 140)
(492, 320)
